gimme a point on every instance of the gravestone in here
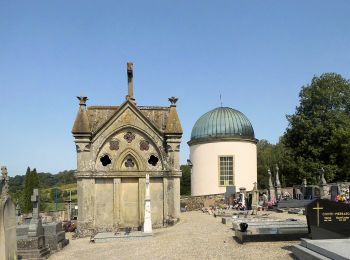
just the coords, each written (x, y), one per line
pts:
(328, 219)
(297, 194)
(55, 236)
(8, 245)
(334, 192)
(311, 192)
(31, 244)
(230, 192)
(35, 222)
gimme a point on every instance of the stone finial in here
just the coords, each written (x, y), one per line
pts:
(304, 182)
(270, 177)
(81, 123)
(322, 178)
(173, 101)
(82, 100)
(278, 183)
(4, 178)
(173, 125)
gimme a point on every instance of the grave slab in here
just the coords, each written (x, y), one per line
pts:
(293, 203)
(111, 236)
(272, 233)
(270, 229)
(337, 249)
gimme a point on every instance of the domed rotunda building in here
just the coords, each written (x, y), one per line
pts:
(222, 152)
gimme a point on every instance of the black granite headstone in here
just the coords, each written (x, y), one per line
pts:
(249, 201)
(308, 193)
(334, 192)
(328, 219)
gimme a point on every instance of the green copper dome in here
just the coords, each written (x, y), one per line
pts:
(222, 123)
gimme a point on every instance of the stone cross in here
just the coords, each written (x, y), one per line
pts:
(4, 178)
(35, 226)
(36, 203)
(130, 71)
(318, 213)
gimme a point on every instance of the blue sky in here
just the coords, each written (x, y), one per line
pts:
(257, 54)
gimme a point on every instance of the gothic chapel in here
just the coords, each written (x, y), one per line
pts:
(116, 146)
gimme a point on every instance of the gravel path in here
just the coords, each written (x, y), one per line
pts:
(197, 236)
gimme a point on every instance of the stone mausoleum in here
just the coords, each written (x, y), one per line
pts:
(116, 146)
(222, 152)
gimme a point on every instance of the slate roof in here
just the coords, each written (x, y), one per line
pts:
(96, 116)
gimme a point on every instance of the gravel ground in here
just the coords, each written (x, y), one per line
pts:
(197, 236)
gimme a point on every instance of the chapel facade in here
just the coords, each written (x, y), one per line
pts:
(116, 146)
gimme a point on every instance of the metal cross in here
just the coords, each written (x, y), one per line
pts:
(318, 213)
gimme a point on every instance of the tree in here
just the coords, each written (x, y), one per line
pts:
(266, 158)
(185, 182)
(31, 182)
(318, 135)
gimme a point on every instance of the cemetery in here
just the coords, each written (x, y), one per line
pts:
(175, 130)
(128, 192)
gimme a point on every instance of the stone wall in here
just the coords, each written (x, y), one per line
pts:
(198, 202)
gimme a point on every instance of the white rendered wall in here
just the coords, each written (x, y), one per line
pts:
(205, 169)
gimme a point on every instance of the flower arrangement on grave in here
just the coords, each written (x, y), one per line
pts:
(272, 202)
(341, 198)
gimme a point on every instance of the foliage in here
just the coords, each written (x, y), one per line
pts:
(185, 182)
(266, 158)
(31, 182)
(56, 195)
(318, 135)
(21, 187)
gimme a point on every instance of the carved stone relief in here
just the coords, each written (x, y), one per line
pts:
(144, 145)
(114, 145)
(129, 136)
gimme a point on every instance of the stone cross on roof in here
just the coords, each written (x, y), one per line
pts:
(35, 198)
(130, 71)
(4, 178)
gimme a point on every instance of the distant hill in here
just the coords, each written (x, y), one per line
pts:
(47, 181)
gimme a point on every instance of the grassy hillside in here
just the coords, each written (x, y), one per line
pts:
(50, 186)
